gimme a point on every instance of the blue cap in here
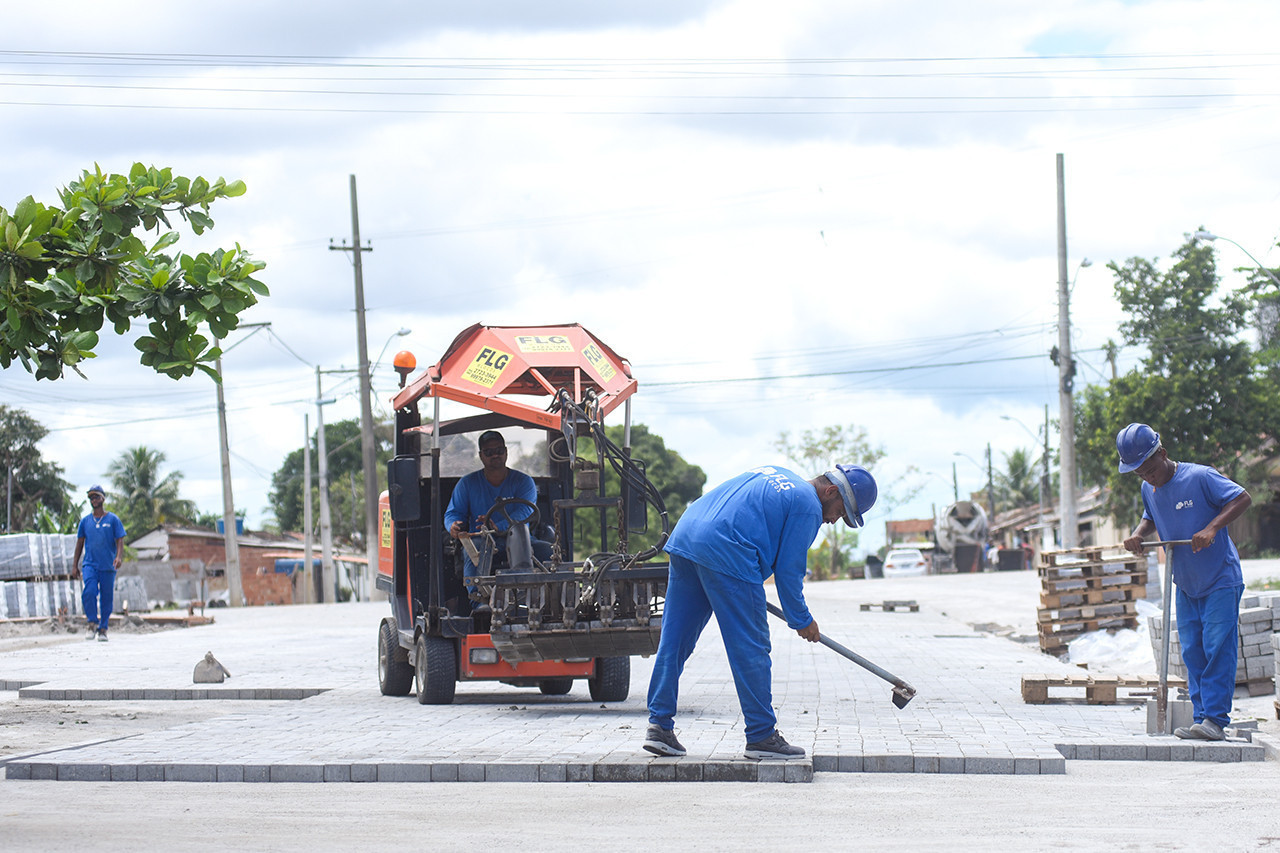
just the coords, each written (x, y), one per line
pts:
(98, 489)
(857, 489)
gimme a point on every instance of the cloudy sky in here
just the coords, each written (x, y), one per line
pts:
(784, 215)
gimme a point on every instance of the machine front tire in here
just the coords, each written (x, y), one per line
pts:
(435, 670)
(395, 670)
(555, 686)
(612, 681)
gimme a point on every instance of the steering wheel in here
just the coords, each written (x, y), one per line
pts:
(501, 508)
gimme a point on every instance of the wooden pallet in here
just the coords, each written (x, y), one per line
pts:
(1086, 612)
(892, 606)
(1098, 689)
(1085, 596)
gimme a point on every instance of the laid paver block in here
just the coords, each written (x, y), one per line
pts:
(1122, 752)
(471, 772)
(826, 764)
(150, 772)
(337, 773)
(443, 772)
(1158, 752)
(257, 773)
(511, 773)
(406, 772)
(578, 772)
(190, 773)
(772, 771)
(888, 763)
(730, 771)
(621, 772)
(1182, 752)
(662, 771)
(950, 764)
(988, 765)
(850, 764)
(17, 771)
(1217, 752)
(925, 764)
(1053, 766)
(797, 771)
(1086, 752)
(1026, 766)
(690, 771)
(42, 772)
(230, 772)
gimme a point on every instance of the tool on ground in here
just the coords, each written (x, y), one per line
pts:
(902, 692)
(1162, 694)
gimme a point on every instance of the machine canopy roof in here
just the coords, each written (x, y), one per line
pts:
(486, 366)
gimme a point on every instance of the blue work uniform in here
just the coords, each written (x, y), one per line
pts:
(98, 565)
(1209, 583)
(727, 543)
(475, 495)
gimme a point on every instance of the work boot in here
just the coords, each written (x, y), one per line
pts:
(91, 631)
(102, 635)
(1187, 733)
(659, 741)
(774, 746)
(1208, 730)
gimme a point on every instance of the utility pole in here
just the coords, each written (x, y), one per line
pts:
(1044, 471)
(991, 493)
(235, 591)
(955, 484)
(308, 568)
(329, 578)
(367, 444)
(1066, 376)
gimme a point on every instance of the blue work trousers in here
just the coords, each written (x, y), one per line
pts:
(99, 585)
(1209, 632)
(694, 593)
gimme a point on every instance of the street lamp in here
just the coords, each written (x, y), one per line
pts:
(378, 363)
(1207, 235)
(991, 495)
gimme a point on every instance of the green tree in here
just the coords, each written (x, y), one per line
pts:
(38, 486)
(66, 270)
(1018, 485)
(146, 499)
(819, 450)
(1200, 385)
(346, 466)
(679, 483)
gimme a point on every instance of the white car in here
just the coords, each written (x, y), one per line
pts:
(905, 563)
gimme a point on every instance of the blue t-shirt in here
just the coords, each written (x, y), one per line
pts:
(100, 535)
(475, 495)
(758, 524)
(1180, 509)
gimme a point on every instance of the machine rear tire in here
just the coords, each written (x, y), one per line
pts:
(435, 670)
(612, 681)
(555, 686)
(395, 670)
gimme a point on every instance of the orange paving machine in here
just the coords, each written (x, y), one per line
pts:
(525, 609)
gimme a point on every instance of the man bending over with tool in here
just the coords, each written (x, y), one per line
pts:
(727, 543)
(1181, 500)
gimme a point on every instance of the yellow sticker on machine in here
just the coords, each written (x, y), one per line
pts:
(386, 528)
(597, 359)
(543, 343)
(487, 366)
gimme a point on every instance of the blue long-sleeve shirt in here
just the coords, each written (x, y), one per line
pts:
(757, 524)
(475, 495)
(1193, 497)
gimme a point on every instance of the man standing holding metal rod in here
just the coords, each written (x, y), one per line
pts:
(1182, 500)
(723, 549)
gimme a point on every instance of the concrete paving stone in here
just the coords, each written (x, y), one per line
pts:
(230, 772)
(1122, 752)
(469, 772)
(445, 772)
(1217, 752)
(988, 765)
(17, 770)
(772, 771)
(337, 773)
(401, 772)
(926, 764)
(662, 771)
(190, 773)
(499, 772)
(888, 763)
(797, 771)
(150, 772)
(621, 772)
(730, 771)
(1182, 751)
(689, 771)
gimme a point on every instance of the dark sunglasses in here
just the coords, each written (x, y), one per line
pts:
(493, 451)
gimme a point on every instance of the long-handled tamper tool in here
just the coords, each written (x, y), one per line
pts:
(1162, 696)
(902, 692)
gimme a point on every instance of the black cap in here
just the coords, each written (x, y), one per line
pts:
(488, 436)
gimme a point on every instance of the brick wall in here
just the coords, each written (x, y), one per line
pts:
(258, 576)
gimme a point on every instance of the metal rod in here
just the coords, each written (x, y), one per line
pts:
(902, 693)
(1162, 694)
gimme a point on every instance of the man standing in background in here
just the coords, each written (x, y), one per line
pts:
(100, 539)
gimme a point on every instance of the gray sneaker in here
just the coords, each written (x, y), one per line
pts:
(1208, 730)
(774, 746)
(1187, 733)
(659, 741)
(102, 636)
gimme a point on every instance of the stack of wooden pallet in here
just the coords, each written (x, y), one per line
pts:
(1087, 589)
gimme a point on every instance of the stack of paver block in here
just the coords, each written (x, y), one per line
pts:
(35, 570)
(1259, 619)
(1087, 589)
(1275, 657)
